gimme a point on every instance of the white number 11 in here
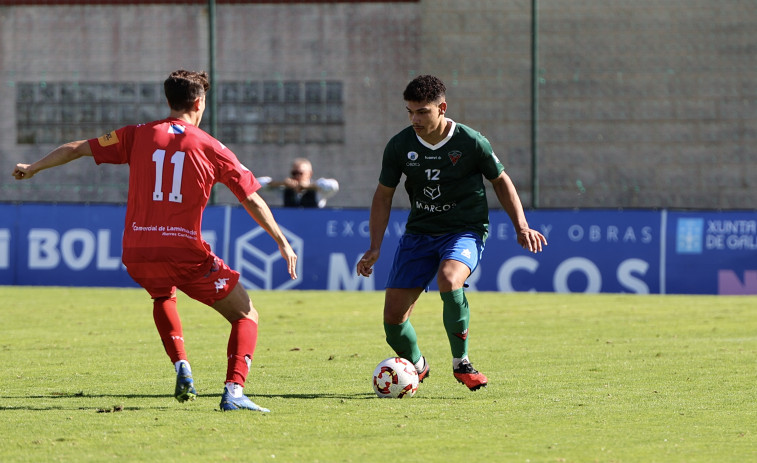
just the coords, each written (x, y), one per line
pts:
(178, 161)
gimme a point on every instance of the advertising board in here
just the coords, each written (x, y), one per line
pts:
(589, 251)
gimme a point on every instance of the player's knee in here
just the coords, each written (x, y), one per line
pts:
(396, 317)
(448, 284)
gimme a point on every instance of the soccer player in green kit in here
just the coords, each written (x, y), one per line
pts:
(444, 163)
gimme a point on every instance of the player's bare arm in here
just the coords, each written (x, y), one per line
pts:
(381, 207)
(59, 156)
(288, 183)
(508, 197)
(259, 210)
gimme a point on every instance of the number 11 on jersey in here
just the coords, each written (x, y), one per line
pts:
(177, 159)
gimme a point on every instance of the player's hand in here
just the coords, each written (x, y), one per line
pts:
(365, 265)
(531, 240)
(23, 172)
(291, 259)
(292, 184)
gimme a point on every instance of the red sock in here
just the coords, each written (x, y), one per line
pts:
(242, 341)
(169, 327)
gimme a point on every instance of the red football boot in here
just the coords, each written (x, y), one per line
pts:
(466, 374)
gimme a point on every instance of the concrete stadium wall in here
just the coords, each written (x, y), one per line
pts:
(642, 104)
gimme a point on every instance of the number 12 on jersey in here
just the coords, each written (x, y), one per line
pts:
(177, 159)
(432, 174)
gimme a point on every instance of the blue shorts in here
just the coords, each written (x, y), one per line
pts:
(417, 259)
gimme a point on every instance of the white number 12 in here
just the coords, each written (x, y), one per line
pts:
(433, 174)
(178, 161)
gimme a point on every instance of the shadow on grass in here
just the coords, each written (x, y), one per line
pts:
(82, 395)
(316, 395)
(113, 409)
(301, 396)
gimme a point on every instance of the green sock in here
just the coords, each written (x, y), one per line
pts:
(403, 340)
(456, 317)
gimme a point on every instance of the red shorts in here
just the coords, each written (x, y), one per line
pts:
(211, 287)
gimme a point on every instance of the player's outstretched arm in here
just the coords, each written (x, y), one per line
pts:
(259, 210)
(507, 195)
(381, 207)
(59, 156)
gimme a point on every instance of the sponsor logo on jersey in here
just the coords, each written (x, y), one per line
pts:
(434, 207)
(454, 156)
(108, 139)
(412, 155)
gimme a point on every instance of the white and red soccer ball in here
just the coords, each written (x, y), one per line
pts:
(395, 378)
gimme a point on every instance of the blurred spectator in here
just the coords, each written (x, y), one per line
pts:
(299, 189)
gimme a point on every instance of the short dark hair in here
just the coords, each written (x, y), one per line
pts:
(183, 87)
(425, 89)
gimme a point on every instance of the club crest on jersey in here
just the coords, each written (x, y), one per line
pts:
(412, 155)
(433, 192)
(213, 268)
(454, 156)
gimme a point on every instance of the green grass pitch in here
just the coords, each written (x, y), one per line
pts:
(572, 378)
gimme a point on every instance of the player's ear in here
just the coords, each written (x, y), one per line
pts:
(443, 107)
(198, 103)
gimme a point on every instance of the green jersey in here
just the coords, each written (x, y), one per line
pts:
(444, 181)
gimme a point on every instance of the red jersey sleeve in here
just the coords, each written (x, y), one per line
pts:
(232, 173)
(113, 147)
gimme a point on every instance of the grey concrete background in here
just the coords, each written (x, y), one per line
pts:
(643, 104)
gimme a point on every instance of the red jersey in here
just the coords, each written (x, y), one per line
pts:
(173, 166)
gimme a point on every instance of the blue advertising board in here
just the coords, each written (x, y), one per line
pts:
(711, 253)
(67, 245)
(591, 251)
(588, 251)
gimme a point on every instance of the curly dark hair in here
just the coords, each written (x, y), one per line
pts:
(425, 89)
(183, 87)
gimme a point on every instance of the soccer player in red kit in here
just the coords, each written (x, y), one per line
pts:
(173, 166)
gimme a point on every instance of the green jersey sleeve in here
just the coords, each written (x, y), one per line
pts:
(391, 164)
(489, 164)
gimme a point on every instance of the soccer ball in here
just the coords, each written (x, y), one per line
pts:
(395, 378)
